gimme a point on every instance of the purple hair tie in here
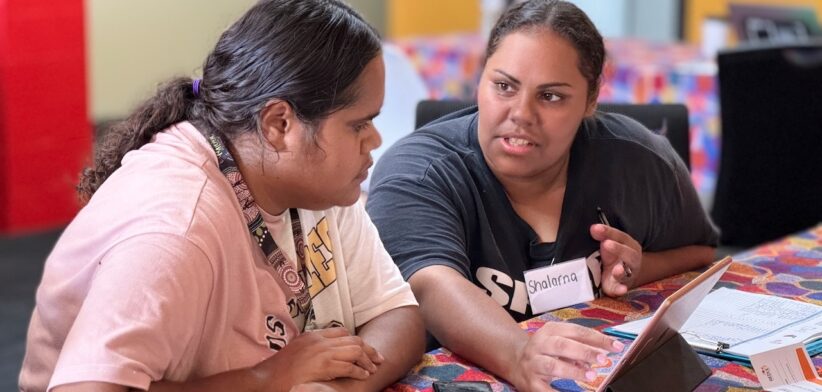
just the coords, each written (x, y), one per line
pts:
(196, 87)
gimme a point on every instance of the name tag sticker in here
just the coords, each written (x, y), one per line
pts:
(559, 285)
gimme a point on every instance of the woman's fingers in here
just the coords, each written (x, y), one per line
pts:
(613, 288)
(353, 349)
(555, 338)
(337, 369)
(574, 351)
(616, 243)
(549, 368)
(565, 350)
(616, 253)
(621, 258)
(372, 353)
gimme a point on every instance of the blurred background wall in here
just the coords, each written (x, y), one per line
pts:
(132, 46)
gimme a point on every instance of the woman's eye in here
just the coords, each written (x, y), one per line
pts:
(362, 126)
(551, 97)
(502, 86)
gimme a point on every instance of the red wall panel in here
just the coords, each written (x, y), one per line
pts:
(45, 135)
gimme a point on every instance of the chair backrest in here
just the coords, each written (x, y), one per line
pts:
(770, 171)
(669, 120)
(431, 109)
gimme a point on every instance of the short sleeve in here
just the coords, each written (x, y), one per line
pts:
(419, 221)
(143, 313)
(375, 283)
(682, 220)
(644, 182)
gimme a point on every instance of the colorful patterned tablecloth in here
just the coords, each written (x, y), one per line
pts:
(791, 267)
(636, 72)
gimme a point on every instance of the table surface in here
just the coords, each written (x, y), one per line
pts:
(790, 267)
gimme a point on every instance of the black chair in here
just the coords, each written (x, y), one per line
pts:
(431, 109)
(670, 120)
(770, 171)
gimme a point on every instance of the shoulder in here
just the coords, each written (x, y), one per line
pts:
(171, 185)
(444, 144)
(623, 138)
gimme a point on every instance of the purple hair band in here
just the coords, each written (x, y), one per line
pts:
(196, 87)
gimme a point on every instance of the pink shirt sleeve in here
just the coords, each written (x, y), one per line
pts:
(143, 315)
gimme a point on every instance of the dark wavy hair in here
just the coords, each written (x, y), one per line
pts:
(563, 18)
(305, 52)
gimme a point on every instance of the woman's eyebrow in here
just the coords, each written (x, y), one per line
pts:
(516, 82)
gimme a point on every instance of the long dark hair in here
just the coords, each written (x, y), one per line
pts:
(563, 18)
(305, 52)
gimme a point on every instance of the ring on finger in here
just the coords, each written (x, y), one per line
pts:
(628, 272)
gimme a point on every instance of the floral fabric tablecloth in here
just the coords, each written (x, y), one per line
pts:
(791, 267)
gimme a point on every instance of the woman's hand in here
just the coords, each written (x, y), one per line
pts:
(621, 257)
(322, 355)
(561, 350)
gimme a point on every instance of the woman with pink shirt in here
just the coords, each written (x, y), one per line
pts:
(222, 245)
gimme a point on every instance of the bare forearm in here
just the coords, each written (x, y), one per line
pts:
(235, 380)
(399, 335)
(659, 265)
(467, 321)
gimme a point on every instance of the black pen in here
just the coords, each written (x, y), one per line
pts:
(604, 220)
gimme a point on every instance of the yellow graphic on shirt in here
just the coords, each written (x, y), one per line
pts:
(319, 259)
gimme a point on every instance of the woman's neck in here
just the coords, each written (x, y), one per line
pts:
(249, 155)
(534, 189)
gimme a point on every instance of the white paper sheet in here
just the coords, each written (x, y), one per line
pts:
(748, 322)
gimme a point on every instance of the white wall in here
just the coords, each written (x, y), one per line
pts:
(610, 16)
(655, 20)
(134, 45)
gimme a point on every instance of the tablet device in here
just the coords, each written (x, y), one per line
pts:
(667, 320)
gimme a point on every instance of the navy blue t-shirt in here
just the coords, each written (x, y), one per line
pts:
(435, 202)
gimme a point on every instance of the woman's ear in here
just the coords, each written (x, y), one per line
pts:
(592, 108)
(277, 119)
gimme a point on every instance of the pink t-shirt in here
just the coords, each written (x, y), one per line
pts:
(157, 278)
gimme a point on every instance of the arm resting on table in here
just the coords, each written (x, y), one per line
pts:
(660, 265)
(399, 335)
(467, 321)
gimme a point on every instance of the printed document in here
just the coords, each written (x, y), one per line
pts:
(747, 323)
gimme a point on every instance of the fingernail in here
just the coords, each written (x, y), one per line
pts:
(590, 375)
(602, 359)
(618, 345)
(380, 357)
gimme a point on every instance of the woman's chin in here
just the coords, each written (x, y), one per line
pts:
(350, 198)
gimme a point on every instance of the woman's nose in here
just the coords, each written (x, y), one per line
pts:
(523, 113)
(372, 141)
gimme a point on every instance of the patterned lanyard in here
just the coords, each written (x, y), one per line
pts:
(256, 226)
